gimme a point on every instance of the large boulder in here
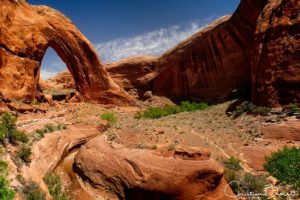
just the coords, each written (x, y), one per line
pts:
(26, 32)
(115, 172)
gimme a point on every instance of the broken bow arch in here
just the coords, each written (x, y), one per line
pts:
(26, 32)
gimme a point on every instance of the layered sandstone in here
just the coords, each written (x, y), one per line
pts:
(114, 172)
(26, 32)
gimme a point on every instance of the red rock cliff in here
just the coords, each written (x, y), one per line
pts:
(257, 50)
(276, 58)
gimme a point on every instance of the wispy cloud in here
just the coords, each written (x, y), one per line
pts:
(45, 74)
(151, 43)
(55, 66)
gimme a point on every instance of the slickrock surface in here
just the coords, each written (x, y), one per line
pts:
(289, 130)
(48, 152)
(116, 172)
(26, 32)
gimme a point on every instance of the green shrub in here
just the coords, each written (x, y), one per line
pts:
(24, 154)
(109, 117)
(21, 136)
(251, 183)
(49, 128)
(8, 130)
(157, 112)
(285, 166)
(3, 168)
(233, 163)
(5, 192)
(32, 191)
(54, 185)
(294, 108)
(245, 184)
(233, 179)
(8, 127)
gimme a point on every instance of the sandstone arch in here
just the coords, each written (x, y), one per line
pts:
(26, 32)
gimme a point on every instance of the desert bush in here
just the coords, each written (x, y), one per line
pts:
(3, 168)
(32, 191)
(6, 193)
(233, 163)
(285, 166)
(21, 136)
(294, 108)
(8, 130)
(49, 128)
(109, 117)
(54, 185)
(245, 184)
(250, 108)
(24, 153)
(157, 112)
(241, 182)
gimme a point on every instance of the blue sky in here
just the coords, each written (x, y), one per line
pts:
(121, 28)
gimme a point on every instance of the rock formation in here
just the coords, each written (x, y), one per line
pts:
(115, 172)
(206, 66)
(26, 32)
(257, 50)
(276, 59)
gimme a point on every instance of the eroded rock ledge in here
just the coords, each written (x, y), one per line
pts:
(115, 172)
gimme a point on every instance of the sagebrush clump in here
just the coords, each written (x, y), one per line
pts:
(55, 188)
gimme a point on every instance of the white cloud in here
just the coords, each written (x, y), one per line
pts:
(55, 66)
(45, 74)
(151, 43)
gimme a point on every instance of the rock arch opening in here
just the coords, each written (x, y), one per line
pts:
(55, 81)
(51, 64)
